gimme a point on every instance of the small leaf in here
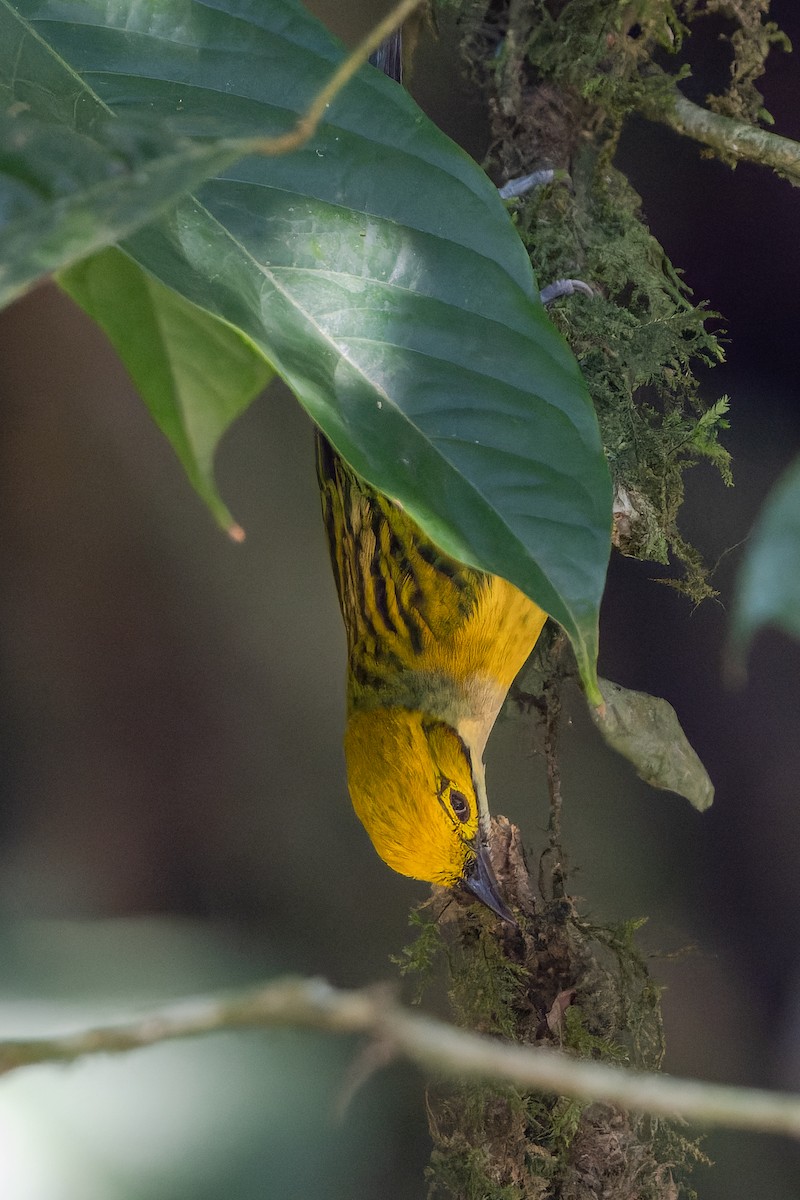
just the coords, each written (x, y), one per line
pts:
(769, 581)
(555, 1015)
(645, 730)
(195, 372)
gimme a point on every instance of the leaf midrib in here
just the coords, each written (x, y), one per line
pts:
(262, 269)
(33, 32)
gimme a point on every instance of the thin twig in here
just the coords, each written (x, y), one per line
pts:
(309, 121)
(431, 1044)
(732, 140)
(552, 721)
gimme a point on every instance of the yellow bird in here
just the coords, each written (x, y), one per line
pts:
(433, 647)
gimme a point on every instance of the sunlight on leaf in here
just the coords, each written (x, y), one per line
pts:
(73, 176)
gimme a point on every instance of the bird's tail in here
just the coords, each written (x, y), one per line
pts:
(389, 56)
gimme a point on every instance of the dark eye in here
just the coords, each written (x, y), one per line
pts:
(459, 805)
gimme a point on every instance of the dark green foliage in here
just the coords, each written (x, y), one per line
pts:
(331, 265)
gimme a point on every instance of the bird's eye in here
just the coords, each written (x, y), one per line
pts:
(459, 805)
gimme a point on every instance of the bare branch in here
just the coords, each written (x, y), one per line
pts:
(733, 141)
(431, 1044)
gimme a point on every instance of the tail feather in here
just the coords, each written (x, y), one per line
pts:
(389, 56)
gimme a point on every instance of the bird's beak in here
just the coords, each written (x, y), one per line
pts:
(481, 882)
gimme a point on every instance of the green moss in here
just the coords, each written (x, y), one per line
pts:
(751, 37)
(496, 1144)
(486, 987)
(417, 960)
(579, 1038)
(629, 998)
(603, 50)
(639, 343)
(562, 79)
(564, 982)
(597, 49)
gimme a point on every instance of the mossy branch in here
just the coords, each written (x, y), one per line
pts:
(433, 1045)
(732, 141)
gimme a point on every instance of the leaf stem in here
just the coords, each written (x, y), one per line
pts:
(311, 118)
(552, 720)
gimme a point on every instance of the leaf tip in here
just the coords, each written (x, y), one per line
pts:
(235, 533)
(594, 696)
(703, 798)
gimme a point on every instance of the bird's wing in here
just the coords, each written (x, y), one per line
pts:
(402, 598)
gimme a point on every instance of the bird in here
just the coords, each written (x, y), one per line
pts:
(433, 647)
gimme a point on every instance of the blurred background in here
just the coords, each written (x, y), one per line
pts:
(173, 812)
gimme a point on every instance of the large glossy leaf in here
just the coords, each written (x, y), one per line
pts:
(379, 272)
(195, 373)
(73, 177)
(769, 582)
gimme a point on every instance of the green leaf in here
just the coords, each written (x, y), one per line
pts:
(196, 373)
(645, 730)
(769, 581)
(378, 270)
(73, 177)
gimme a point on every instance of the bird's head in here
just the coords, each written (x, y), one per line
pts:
(413, 786)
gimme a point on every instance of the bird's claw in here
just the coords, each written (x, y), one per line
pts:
(525, 183)
(564, 287)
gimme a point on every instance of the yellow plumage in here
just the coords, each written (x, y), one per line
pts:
(433, 647)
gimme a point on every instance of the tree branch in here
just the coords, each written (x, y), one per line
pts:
(732, 141)
(430, 1043)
